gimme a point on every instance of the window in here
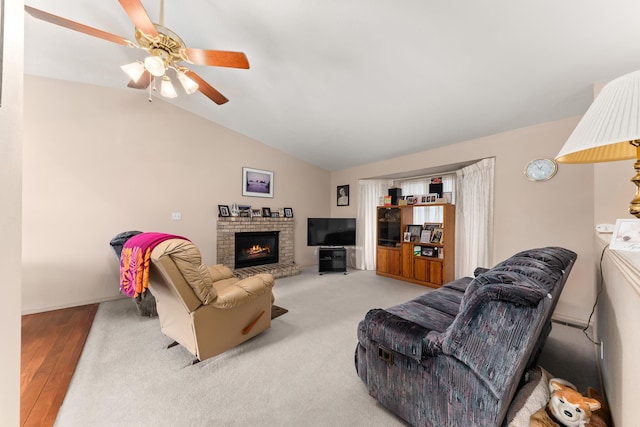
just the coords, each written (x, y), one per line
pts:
(420, 186)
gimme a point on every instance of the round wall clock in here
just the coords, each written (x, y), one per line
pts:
(540, 169)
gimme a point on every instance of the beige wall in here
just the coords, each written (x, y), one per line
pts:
(617, 314)
(10, 216)
(77, 194)
(613, 191)
(617, 327)
(100, 161)
(527, 214)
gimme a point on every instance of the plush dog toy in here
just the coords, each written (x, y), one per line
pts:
(566, 407)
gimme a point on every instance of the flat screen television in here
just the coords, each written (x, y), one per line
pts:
(331, 231)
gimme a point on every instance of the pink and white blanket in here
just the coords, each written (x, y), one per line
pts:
(134, 261)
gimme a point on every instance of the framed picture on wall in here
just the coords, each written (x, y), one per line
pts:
(343, 195)
(257, 183)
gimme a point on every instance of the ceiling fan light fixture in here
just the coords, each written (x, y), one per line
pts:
(133, 70)
(155, 65)
(164, 49)
(166, 88)
(188, 85)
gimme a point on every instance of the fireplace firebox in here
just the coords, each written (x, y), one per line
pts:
(256, 248)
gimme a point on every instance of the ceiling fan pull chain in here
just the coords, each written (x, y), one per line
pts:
(152, 87)
(162, 12)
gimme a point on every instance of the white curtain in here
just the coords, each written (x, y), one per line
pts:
(368, 200)
(474, 217)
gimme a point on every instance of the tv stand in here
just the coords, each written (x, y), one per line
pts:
(332, 259)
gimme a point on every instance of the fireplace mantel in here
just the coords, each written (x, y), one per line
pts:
(227, 227)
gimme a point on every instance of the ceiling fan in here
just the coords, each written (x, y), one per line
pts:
(165, 49)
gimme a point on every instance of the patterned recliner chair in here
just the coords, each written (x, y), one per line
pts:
(455, 356)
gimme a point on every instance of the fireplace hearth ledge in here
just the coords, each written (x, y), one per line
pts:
(278, 270)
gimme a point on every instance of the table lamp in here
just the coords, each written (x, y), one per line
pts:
(610, 130)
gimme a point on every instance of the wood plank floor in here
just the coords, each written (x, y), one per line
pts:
(51, 346)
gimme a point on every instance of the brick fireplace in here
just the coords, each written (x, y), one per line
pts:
(227, 228)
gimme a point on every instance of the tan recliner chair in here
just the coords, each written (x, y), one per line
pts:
(206, 309)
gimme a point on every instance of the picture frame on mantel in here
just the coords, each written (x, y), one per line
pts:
(223, 211)
(257, 182)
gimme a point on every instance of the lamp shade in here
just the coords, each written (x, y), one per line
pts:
(609, 125)
(166, 88)
(133, 70)
(155, 65)
(189, 85)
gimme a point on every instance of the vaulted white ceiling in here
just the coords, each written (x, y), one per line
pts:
(340, 83)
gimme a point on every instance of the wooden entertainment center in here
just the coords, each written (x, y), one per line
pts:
(429, 263)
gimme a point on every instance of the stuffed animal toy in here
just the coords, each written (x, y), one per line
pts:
(566, 407)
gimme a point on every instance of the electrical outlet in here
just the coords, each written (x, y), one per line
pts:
(176, 216)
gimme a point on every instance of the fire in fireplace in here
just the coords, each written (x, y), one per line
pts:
(256, 248)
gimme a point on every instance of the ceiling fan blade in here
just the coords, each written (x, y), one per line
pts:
(139, 16)
(206, 89)
(143, 82)
(72, 25)
(218, 58)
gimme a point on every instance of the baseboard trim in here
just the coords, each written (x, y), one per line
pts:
(75, 304)
(574, 323)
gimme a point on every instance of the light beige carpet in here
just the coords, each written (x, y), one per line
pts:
(300, 372)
